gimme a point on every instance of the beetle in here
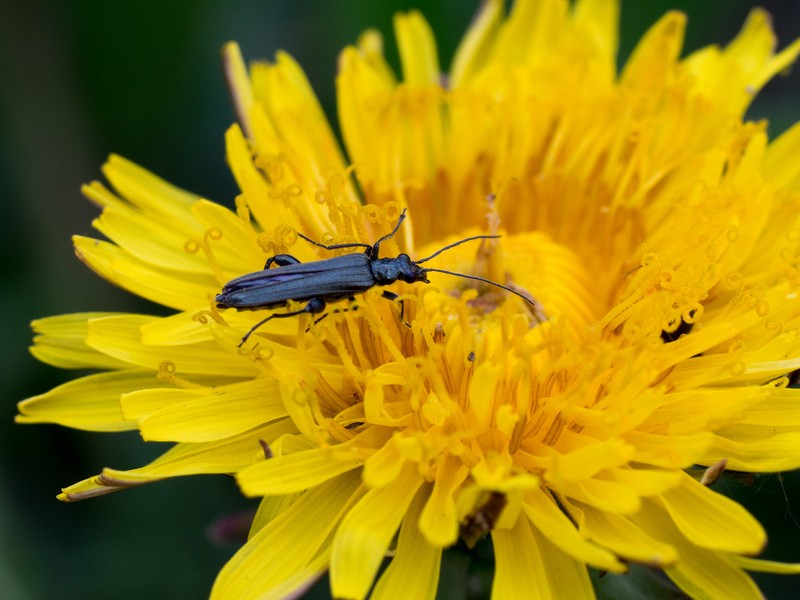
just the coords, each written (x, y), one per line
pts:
(332, 279)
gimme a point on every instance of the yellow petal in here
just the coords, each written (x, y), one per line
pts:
(363, 537)
(358, 85)
(771, 454)
(293, 472)
(753, 49)
(417, 49)
(414, 570)
(204, 415)
(153, 242)
(621, 536)
(176, 330)
(700, 573)
(473, 50)
(299, 121)
(567, 577)
(61, 342)
(583, 463)
(711, 520)
(143, 402)
(439, 521)
(530, 32)
(269, 508)
(555, 526)
(655, 55)
(705, 575)
(679, 414)
(91, 402)
(182, 291)
(147, 191)
(668, 451)
(646, 482)
(384, 466)
(238, 83)
(520, 565)
(764, 566)
(250, 181)
(600, 19)
(228, 242)
(303, 470)
(285, 549)
(120, 337)
(604, 495)
(223, 456)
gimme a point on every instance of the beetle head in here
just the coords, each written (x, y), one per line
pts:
(409, 271)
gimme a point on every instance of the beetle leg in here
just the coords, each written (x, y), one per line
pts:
(316, 321)
(314, 306)
(392, 297)
(336, 310)
(282, 260)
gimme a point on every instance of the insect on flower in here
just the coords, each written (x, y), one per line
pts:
(332, 279)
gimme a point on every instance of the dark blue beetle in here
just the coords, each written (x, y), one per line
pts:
(322, 281)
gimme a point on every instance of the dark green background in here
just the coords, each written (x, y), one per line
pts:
(82, 78)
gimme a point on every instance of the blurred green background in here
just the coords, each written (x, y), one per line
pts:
(82, 78)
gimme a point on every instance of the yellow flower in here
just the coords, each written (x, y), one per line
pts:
(656, 232)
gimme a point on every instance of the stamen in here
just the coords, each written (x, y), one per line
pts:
(371, 213)
(334, 337)
(272, 166)
(279, 241)
(345, 217)
(335, 191)
(166, 372)
(389, 220)
(712, 474)
(322, 197)
(192, 246)
(438, 333)
(257, 352)
(265, 449)
(202, 316)
(376, 327)
(243, 211)
(286, 194)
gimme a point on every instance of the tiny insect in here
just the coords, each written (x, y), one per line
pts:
(332, 279)
(483, 520)
(683, 328)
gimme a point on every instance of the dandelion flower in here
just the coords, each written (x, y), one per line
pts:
(654, 230)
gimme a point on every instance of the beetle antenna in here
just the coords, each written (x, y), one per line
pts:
(393, 231)
(332, 246)
(476, 278)
(357, 244)
(453, 245)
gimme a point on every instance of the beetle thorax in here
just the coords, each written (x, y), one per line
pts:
(389, 270)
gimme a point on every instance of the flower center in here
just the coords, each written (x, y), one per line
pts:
(463, 378)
